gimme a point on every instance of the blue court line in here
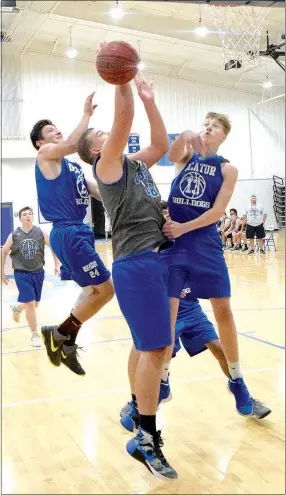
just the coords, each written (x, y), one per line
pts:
(43, 324)
(89, 343)
(261, 340)
(6, 329)
(246, 334)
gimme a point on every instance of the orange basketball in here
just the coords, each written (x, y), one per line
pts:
(117, 62)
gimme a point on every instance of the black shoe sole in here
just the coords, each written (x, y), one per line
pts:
(75, 372)
(45, 334)
(140, 457)
(263, 415)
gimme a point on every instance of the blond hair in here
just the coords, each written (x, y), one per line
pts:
(222, 119)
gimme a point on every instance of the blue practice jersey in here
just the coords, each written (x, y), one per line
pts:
(63, 200)
(195, 188)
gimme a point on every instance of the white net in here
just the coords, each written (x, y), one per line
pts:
(240, 30)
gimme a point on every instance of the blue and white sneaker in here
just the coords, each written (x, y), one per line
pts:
(260, 411)
(165, 391)
(129, 416)
(146, 449)
(243, 399)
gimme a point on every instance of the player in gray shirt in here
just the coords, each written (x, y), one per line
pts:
(26, 246)
(140, 276)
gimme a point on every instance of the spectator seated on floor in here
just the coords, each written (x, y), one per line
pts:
(238, 235)
(223, 224)
(227, 234)
(164, 208)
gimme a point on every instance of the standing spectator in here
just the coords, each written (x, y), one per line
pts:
(255, 219)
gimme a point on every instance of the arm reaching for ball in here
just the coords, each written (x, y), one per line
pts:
(159, 137)
(110, 165)
(55, 151)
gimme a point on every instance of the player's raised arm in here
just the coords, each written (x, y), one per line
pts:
(49, 140)
(159, 137)
(109, 166)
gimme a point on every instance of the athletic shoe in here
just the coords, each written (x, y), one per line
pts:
(244, 248)
(243, 400)
(36, 340)
(260, 411)
(251, 251)
(262, 251)
(130, 419)
(53, 341)
(165, 392)
(129, 416)
(16, 313)
(146, 449)
(69, 358)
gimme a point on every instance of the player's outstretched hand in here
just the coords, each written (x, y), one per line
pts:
(88, 106)
(145, 89)
(194, 141)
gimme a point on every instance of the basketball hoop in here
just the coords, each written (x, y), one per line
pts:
(240, 30)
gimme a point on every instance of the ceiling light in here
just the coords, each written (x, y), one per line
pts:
(201, 30)
(141, 66)
(267, 84)
(71, 52)
(116, 12)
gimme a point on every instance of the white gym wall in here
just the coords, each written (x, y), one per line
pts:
(55, 88)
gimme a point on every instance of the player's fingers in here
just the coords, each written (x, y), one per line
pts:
(91, 96)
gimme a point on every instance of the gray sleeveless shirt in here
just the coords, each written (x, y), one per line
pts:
(28, 250)
(134, 208)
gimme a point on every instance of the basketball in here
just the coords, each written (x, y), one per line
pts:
(117, 62)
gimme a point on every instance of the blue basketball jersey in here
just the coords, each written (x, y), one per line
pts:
(195, 188)
(63, 200)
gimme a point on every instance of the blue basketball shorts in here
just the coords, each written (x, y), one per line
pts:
(74, 246)
(193, 332)
(141, 286)
(201, 266)
(29, 285)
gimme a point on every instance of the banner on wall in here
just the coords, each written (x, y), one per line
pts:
(133, 143)
(165, 159)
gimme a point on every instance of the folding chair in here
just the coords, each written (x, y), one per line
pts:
(269, 240)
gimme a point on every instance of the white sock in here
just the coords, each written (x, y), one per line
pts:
(234, 370)
(165, 371)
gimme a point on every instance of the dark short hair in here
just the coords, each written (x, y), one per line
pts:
(36, 132)
(233, 210)
(26, 208)
(83, 147)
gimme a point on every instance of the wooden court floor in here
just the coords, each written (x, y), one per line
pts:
(61, 433)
